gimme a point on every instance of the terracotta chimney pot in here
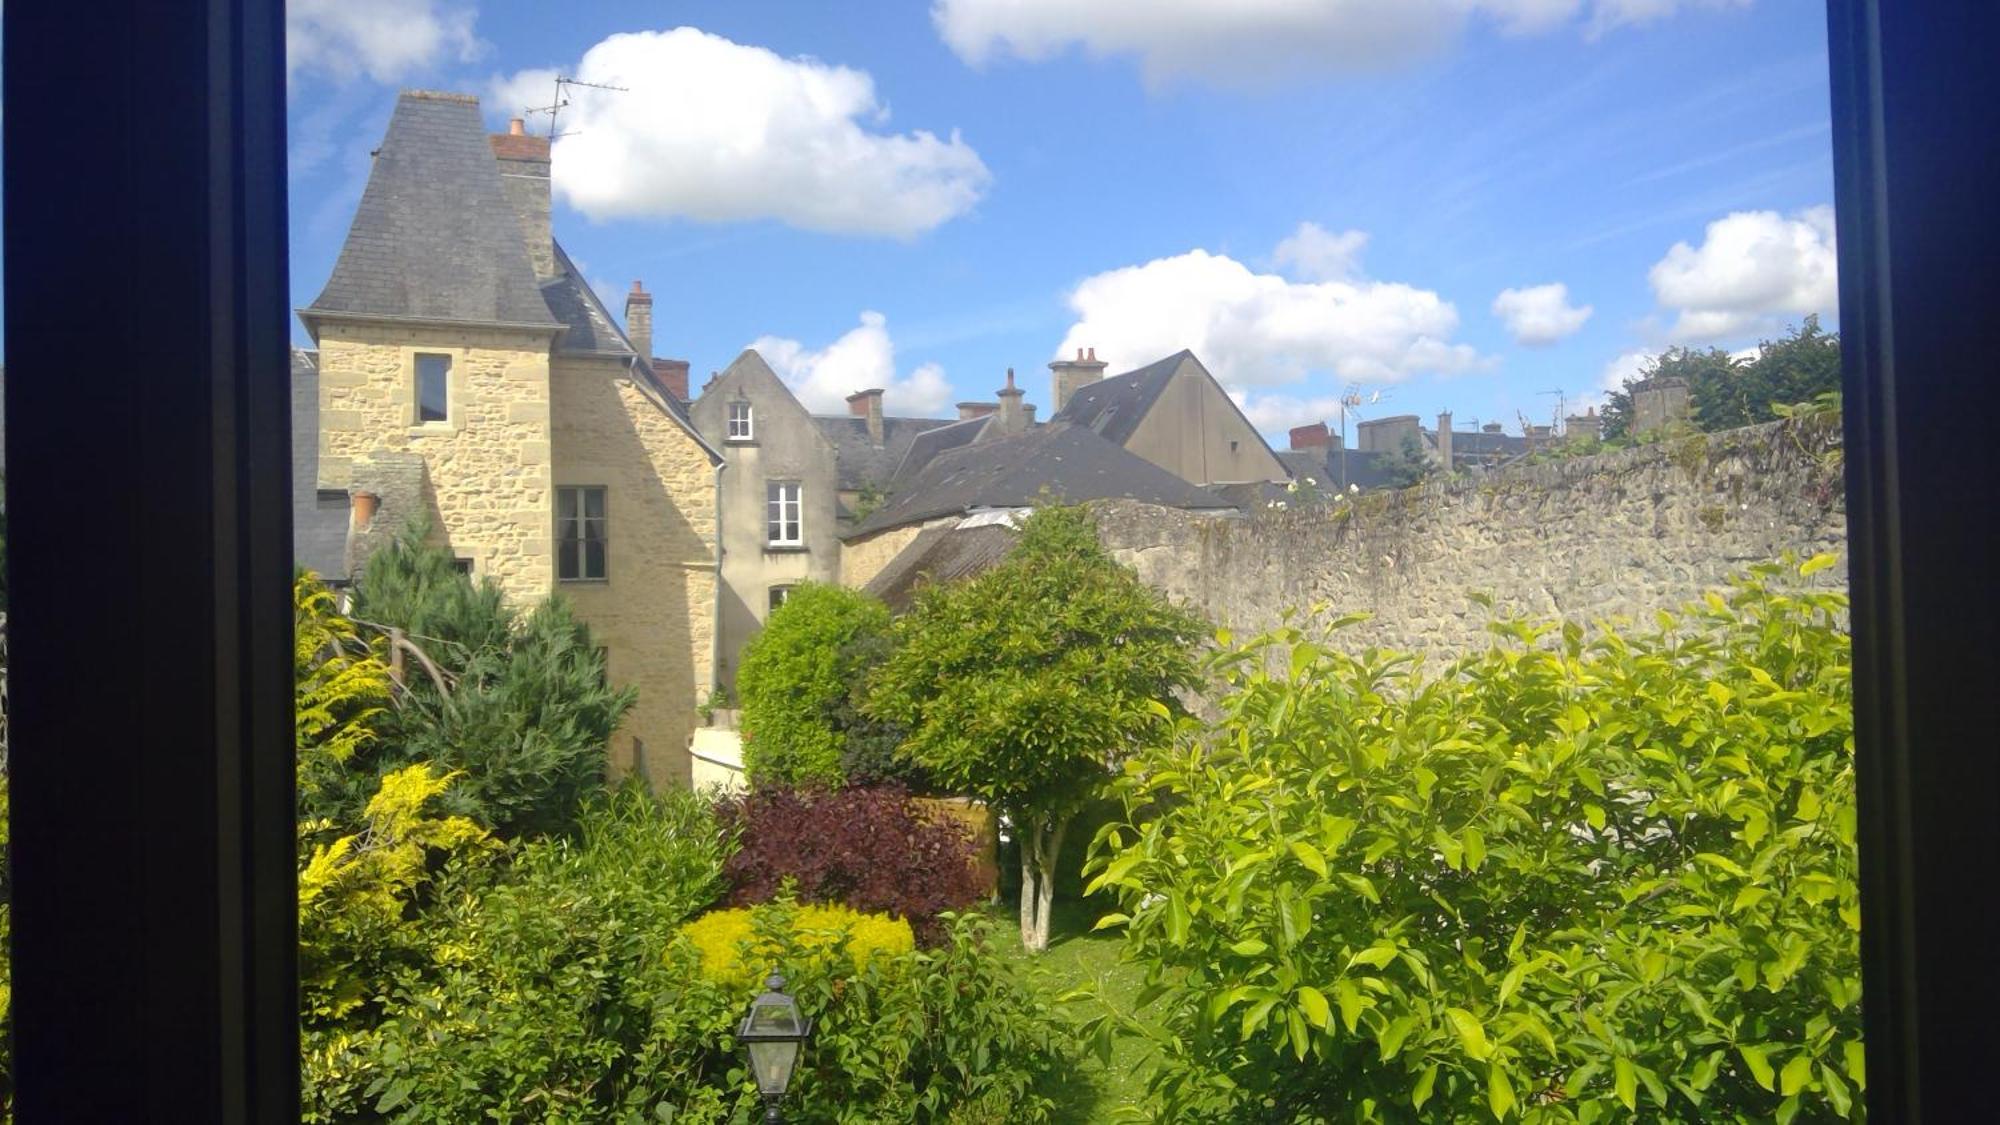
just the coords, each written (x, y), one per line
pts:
(365, 505)
(516, 127)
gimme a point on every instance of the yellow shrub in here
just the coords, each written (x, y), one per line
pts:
(723, 938)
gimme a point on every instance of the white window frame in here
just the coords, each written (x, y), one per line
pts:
(776, 596)
(748, 421)
(783, 499)
(584, 538)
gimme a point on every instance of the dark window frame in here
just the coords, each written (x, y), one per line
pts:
(583, 494)
(419, 377)
(153, 880)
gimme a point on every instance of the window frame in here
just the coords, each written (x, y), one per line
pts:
(776, 595)
(449, 419)
(774, 515)
(583, 493)
(729, 420)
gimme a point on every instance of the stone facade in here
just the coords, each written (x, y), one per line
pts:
(654, 612)
(1621, 534)
(863, 558)
(488, 462)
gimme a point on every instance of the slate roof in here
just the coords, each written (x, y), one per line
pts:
(1067, 461)
(861, 462)
(417, 251)
(1114, 407)
(939, 554)
(573, 302)
(927, 445)
(1481, 444)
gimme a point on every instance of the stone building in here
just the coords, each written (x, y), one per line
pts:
(1171, 412)
(469, 378)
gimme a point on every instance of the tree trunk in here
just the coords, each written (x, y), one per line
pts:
(1041, 843)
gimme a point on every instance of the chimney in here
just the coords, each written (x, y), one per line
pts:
(1585, 425)
(524, 177)
(1444, 439)
(1072, 375)
(1310, 437)
(639, 321)
(1028, 411)
(364, 504)
(970, 410)
(672, 375)
(1013, 419)
(868, 404)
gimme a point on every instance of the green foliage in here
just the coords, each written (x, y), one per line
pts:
(1725, 393)
(525, 711)
(1405, 465)
(339, 688)
(1564, 879)
(798, 678)
(565, 990)
(1026, 684)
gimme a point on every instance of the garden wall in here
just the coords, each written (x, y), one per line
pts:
(1620, 533)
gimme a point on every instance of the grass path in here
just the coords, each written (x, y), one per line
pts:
(1077, 957)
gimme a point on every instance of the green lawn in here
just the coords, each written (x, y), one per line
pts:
(1077, 957)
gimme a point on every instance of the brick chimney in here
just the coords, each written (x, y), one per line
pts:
(1444, 439)
(672, 375)
(524, 176)
(970, 410)
(868, 404)
(639, 320)
(1013, 419)
(1071, 375)
(1314, 436)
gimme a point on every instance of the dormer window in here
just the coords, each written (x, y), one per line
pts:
(433, 388)
(739, 421)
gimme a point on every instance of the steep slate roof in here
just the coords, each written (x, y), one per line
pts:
(417, 250)
(1069, 462)
(573, 302)
(939, 554)
(1114, 407)
(861, 462)
(930, 443)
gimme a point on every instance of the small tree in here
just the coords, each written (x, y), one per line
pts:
(797, 678)
(1405, 465)
(1026, 685)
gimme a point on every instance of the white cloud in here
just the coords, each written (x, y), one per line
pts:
(861, 359)
(1313, 253)
(1752, 269)
(1255, 42)
(1255, 330)
(1625, 369)
(386, 40)
(1276, 413)
(717, 131)
(1540, 314)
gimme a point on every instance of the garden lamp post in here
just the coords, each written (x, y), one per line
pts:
(773, 1032)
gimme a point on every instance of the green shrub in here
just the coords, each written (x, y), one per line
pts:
(798, 679)
(1563, 879)
(524, 715)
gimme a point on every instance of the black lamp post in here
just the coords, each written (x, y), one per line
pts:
(773, 1032)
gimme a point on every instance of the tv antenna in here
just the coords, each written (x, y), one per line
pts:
(1562, 410)
(561, 101)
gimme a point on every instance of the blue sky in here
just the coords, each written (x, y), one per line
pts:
(1317, 195)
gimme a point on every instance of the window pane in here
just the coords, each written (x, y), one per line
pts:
(593, 559)
(593, 503)
(431, 383)
(566, 502)
(566, 556)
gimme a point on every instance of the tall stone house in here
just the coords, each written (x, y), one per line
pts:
(469, 378)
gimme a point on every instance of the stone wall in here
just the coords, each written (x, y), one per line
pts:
(655, 611)
(488, 463)
(863, 558)
(1621, 533)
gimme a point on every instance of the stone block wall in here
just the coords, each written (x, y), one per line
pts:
(1620, 534)
(862, 559)
(655, 612)
(488, 464)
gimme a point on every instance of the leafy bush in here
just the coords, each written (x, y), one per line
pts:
(732, 953)
(798, 679)
(1564, 879)
(874, 850)
(1025, 684)
(524, 712)
(542, 981)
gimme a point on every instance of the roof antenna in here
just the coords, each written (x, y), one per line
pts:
(562, 100)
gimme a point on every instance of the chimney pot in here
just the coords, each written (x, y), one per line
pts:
(364, 504)
(1093, 353)
(516, 127)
